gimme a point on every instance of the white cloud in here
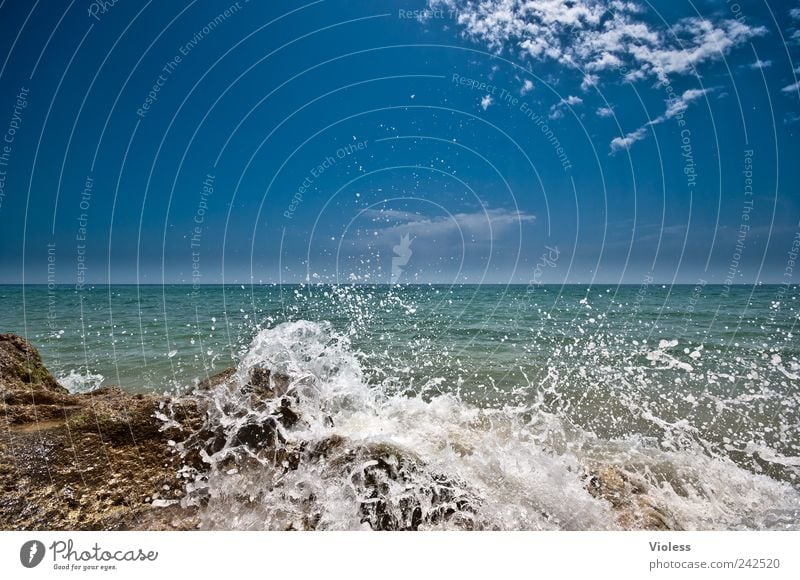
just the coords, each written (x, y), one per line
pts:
(589, 81)
(680, 104)
(626, 142)
(486, 102)
(605, 112)
(527, 87)
(759, 64)
(479, 225)
(791, 118)
(598, 35)
(557, 110)
(792, 87)
(674, 108)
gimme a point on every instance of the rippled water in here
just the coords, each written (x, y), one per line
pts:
(514, 391)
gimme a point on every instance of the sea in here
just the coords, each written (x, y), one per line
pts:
(691, 391)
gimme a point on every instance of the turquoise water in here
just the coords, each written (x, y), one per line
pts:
(153, 337)
(705, 373)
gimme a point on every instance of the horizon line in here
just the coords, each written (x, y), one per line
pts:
(415, 284)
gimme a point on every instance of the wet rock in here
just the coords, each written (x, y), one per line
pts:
(258, 435)
(265, 384)
(395, 489)
(287, 416)
(628, 497)
(261, 382)
(252, 415)
(249, 435)
(88, 461)
(226, 377)
(109, 459)
(243, 427)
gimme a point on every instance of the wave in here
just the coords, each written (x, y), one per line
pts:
(299, 438)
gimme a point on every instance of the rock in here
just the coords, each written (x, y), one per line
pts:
(112, 460)
(29, 392)
(81, 462)
(224, 378)
(22, 371)
(265, 385)
(628, 498)
(248, 433)
(244, 424)
(376, 472)
(258, 435)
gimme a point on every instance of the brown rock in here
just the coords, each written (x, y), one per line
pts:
(265, 384)
(629, 500)
(226, 377)
(90, 461)
(22, 371)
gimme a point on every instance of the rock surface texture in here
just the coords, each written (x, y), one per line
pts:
(93, 461)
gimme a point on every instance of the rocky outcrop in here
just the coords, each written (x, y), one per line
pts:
(633, 508)
(377, 470)
(27, 388)
(113, 460)
(248, 432)
(99, 460)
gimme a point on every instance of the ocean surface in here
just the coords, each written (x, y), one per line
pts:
(693, 391)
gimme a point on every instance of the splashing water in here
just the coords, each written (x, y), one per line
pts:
(462, 407)
(457, 465)
(80, 382)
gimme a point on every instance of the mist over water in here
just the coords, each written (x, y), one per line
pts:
(513, 394)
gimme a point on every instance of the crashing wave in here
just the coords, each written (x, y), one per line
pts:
(297, 438)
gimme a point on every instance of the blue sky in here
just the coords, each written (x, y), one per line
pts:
(444, 141)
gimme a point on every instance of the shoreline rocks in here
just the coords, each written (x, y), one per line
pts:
(113, 460)
(92, 461)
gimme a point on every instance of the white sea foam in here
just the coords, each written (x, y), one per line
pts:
(514, 467)
(80, 381)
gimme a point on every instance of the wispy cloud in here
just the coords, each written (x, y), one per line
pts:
(791, 118)
(792, 87)
(557, 110)
(627, 141)
(674, 108)
(478, 225)
(760, 64)
(389, 215)
(486, 102)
